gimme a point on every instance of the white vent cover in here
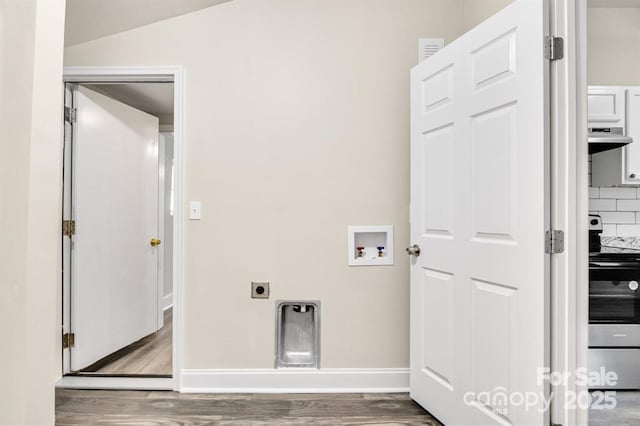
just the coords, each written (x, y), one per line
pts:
(428, 46)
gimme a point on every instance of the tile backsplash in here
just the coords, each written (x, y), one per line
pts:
(619, 208)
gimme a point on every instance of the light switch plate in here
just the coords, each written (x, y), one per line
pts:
(195, 210)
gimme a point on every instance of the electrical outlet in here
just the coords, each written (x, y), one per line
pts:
(259, 290)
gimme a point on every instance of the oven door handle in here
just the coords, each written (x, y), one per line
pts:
(610, 264)
(613, 296)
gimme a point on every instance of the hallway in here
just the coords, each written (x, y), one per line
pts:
(149, 356)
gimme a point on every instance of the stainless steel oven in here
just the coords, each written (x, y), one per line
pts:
(614, 311)
(614, 293)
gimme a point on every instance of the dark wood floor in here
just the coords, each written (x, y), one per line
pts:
(87, 407)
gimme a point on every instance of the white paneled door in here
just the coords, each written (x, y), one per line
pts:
(114, 285)
(479, 212)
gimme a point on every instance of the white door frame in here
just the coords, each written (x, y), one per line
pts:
(569, 186)
(173, 74)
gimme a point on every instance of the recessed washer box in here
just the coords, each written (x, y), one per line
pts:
(298, 334)
(370, 245)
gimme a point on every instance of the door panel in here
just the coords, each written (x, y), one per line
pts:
(438, 318)
(114, 285)
(631, 152)
(606, 106)
(439, 161)
(479, 211)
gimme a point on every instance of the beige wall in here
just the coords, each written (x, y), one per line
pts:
(476, 11)
(297, 125)
(614, 46)
(31, 40)
(297, 118)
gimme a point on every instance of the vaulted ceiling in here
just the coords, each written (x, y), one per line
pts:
(91, 19)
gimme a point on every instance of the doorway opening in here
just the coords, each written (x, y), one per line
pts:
(613, 122)
(122, 231)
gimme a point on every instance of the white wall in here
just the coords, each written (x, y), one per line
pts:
(614, 59)
(31, 40)
(613, 47)
(168, 220)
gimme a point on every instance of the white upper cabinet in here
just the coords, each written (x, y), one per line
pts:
(613, 106)
(632, 151)
(606, 106)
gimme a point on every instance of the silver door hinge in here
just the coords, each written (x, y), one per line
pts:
(70, 115)
(68, 340)
(553, 48)
(68, 227)
(554, 242)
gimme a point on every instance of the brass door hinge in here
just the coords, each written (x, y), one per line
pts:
(68, 340)
(68, 227)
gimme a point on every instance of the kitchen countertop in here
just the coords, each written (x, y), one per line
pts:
(620, 244)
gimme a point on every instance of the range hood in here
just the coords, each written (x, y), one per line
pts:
(606, 138)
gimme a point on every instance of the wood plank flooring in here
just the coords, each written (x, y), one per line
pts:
(151, 356)
(83, 407)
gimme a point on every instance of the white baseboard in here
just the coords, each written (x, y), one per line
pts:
(131, 383)
(339, 380)
(167, 301)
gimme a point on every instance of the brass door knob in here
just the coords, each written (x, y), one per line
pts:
(155, 242)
